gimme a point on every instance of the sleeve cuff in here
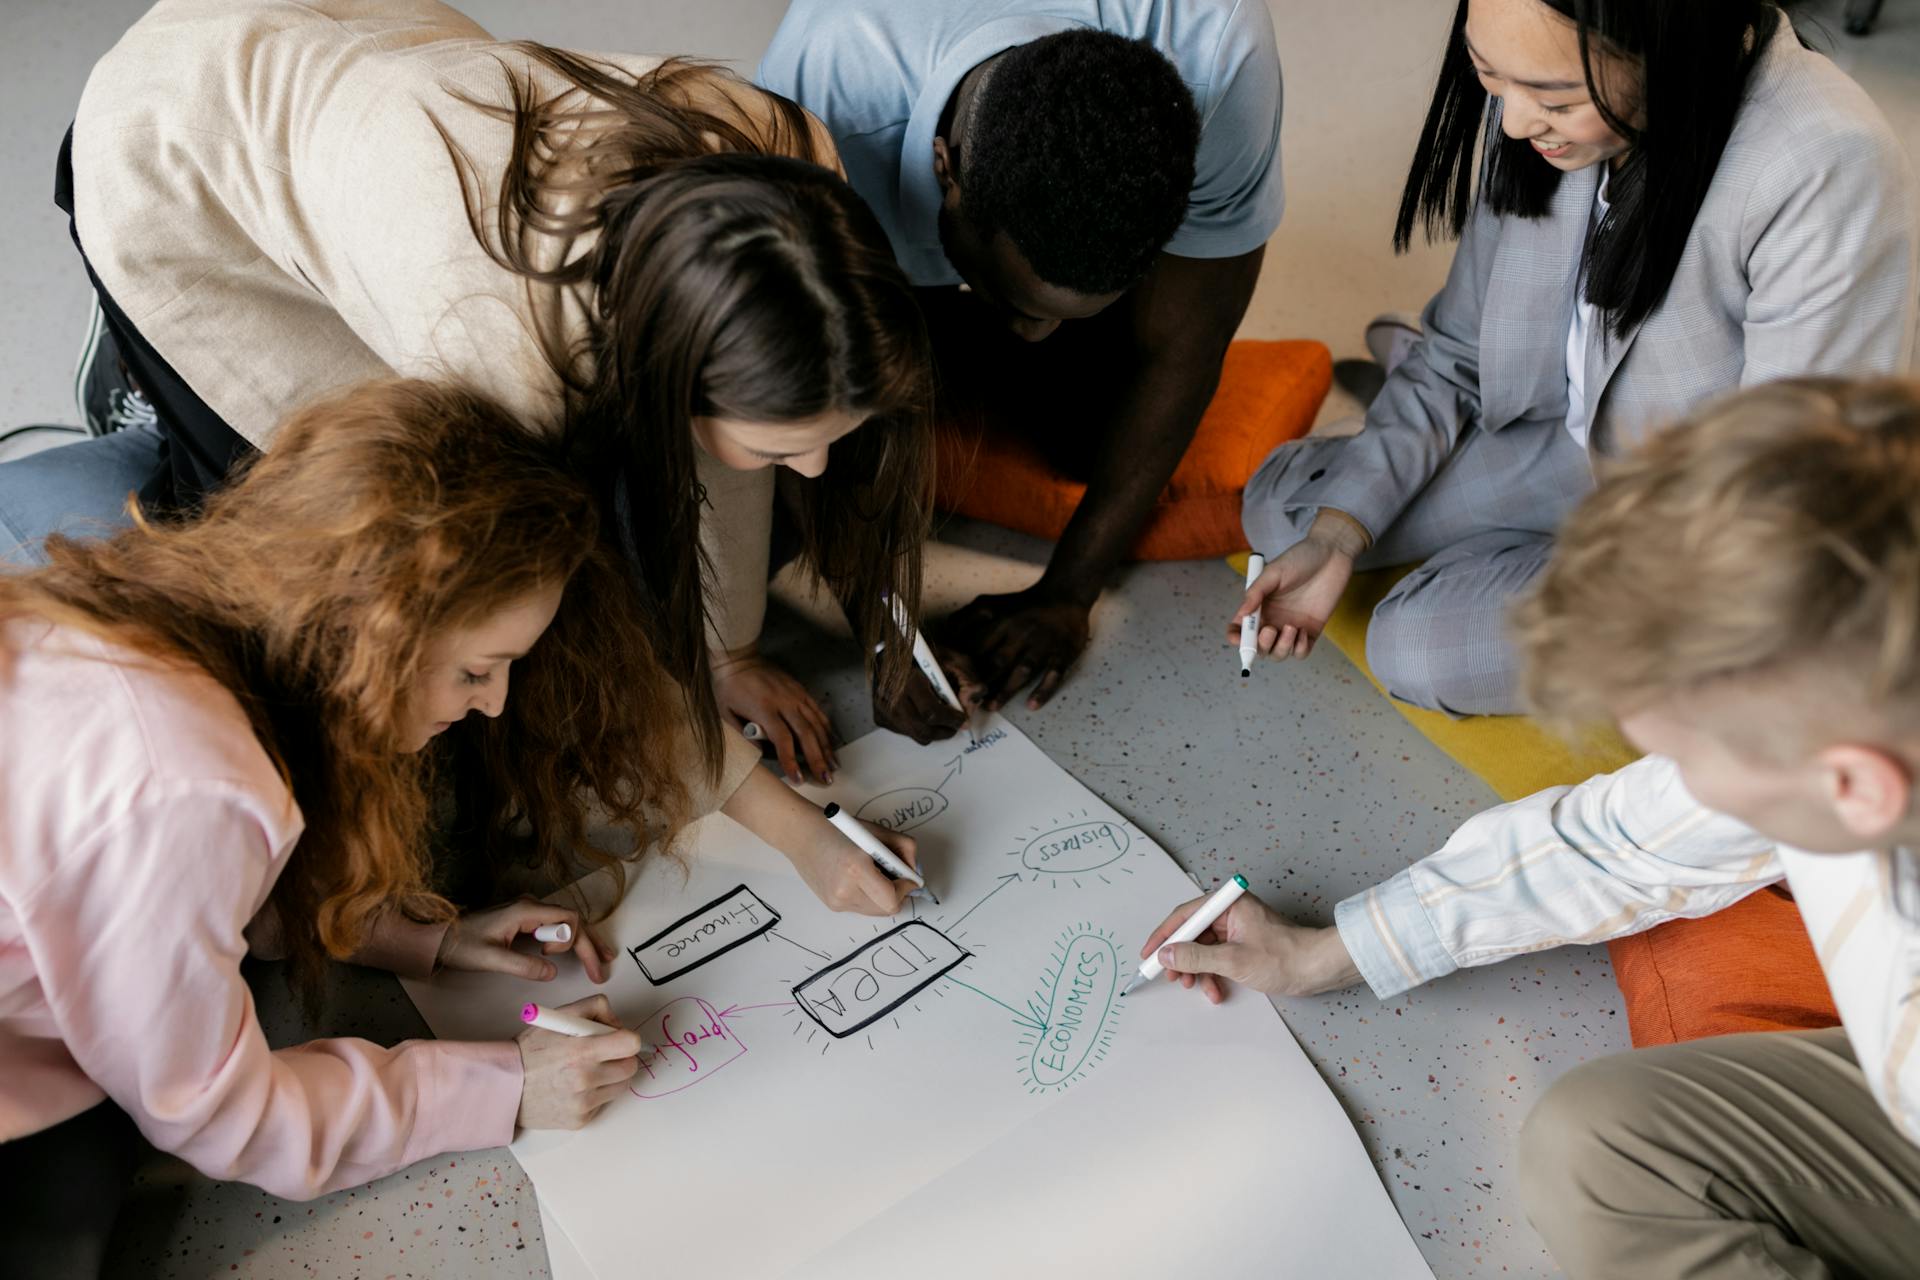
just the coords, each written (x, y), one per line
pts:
(1392, 942)
(1232, 242)
(1355, 497)
(473, 1099)
(399, 945)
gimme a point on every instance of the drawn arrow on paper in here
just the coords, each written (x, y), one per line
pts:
(1034, 1019)
(1004, 881)
(952, 772)
(732, 1009)
(790, 942)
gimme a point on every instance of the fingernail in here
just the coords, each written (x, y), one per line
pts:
(1166, 957)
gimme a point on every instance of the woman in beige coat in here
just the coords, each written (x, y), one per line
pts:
(651, 256)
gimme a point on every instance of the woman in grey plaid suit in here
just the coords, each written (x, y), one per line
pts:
(1674, 201)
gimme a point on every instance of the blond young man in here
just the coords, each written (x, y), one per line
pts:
(1742, 597)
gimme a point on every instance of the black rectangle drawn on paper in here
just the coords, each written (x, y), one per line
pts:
(899, 964)
(708, 933)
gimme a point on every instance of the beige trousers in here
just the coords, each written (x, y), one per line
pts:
(1752, 1155)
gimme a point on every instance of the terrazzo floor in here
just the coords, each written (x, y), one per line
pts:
(1302, 778)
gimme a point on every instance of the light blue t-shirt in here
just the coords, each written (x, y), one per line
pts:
(879, 72)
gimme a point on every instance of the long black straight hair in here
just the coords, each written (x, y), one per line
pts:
(727, 273)
(1693, 58)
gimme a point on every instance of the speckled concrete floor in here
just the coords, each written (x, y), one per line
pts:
(1303, 778)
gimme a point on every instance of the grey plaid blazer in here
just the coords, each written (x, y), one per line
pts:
(1802, 260)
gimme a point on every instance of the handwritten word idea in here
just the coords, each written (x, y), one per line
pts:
(904, 809)
(1077, 849)
(691, 1042)
(1078, 993)
(860, 988)
(707, 934)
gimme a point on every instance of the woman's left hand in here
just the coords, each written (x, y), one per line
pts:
(482, 941)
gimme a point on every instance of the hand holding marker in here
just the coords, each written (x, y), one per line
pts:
(570, 1024)
(1197, 923)
(851, 828)
(924, 659)
(1250, 625)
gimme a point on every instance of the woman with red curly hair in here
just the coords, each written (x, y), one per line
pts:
(223, 736)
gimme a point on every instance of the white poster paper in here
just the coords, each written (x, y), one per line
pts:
(962, 1086)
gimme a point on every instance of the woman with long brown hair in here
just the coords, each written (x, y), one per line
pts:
(223, 735)
(650, 257)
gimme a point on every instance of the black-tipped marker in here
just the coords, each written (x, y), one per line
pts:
(1250, 625)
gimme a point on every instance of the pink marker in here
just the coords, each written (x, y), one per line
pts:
(570, 1024)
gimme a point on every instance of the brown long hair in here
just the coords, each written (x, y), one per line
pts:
(311, 589)
(719, 280)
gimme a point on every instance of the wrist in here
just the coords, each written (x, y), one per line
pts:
(1326, 965)
(1082, 590)
(1340, 531)
(725, 660)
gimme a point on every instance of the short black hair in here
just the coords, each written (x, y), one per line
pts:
(1695, 58)
(1081, 148)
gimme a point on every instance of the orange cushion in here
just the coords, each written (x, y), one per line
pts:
(1750, 967)
(1269, 393)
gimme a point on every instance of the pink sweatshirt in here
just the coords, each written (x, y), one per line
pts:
(141, 828)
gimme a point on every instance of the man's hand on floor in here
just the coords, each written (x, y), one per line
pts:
(1011, 641)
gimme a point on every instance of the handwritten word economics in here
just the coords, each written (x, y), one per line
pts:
(1079, 996)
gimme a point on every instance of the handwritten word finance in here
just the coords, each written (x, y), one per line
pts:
(854, 991)
(703, 935)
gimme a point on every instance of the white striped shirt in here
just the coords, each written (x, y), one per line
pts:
(1626, 851)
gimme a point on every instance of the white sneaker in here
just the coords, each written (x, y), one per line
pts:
(1390, 337)
(107, 402)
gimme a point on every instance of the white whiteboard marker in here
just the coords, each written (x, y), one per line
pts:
(570, 1024)
(567, 1024)
(1210, 910)
(553, 933)
(1250, 625)
(851, 828)
(924, 659)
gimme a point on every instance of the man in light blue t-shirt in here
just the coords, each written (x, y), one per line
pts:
(1109, 169)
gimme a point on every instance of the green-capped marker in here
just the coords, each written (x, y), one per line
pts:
(1197, 923)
